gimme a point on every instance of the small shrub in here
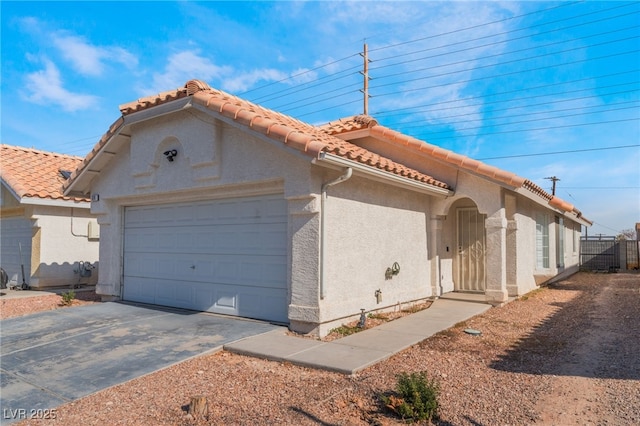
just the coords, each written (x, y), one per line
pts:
(416, 308)
(382, 317)
(345, 330)
(67, 298)
(416, 398)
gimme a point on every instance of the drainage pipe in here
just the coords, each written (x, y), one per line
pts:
(323, 195)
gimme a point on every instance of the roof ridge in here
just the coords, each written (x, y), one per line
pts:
(40, 151)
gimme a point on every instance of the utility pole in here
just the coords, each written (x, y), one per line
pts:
(365, 73)
(553, 187)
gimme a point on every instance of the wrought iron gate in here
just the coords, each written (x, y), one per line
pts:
(471, 250)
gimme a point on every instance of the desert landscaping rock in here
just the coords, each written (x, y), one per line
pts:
(563, 355)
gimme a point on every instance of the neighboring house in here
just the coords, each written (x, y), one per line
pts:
(50, 237)
(210, 202)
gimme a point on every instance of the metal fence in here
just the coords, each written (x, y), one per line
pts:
(608, 254)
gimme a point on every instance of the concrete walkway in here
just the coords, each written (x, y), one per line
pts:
(353, 353)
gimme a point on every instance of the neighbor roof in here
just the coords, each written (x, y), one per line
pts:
(304, 137)
(31, 173)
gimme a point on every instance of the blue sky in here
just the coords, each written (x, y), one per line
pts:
(503, 82)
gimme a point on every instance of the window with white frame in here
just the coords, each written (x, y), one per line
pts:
(560, 230)
(542, 241)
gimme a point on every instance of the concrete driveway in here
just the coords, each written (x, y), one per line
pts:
(53, 357)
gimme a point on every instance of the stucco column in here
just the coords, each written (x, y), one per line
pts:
(110, 264)
(435, 228)
(512, 257)
(496, 258)
(303, 258)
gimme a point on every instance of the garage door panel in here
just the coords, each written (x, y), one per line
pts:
(223, 256)
(15, 234)
(223, 299)
(248, 239)
(259, 210)
(258, 271)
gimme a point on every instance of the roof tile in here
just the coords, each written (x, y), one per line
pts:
(33, 173)
(361, 122)
(298, 135)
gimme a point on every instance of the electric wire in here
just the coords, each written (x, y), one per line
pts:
(526, 36)
(330, 78)
(472, 27)
(455, 31)
(528, 114)
(499, 75)
(557, 117)
(572, 151)
(499, 132)
(396, 111)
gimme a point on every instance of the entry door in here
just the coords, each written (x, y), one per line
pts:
(470, 259)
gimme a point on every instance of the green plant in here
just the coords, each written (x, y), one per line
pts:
(383, 317)
(345, 330)
(67, 298)
(416, 398)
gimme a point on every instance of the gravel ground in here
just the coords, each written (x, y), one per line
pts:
(15, 307)
(562, 355)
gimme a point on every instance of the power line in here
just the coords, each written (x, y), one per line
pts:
(449, 52)
(524, 89)
(500, 75)
(296, 89)
(560, 152)
(556, 117)
(538, 128)
(529, 114)
(300, 74)
(473, 27)
(601, 187)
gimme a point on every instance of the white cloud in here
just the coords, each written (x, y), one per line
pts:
(46, 87)
(90, 59)
(182, 67)
(190, 64)
(245, 81)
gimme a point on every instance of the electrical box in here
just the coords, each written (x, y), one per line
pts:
(93, 230)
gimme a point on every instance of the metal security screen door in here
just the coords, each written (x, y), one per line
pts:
(471, 250)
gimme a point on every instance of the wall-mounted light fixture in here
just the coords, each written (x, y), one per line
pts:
(392, 271)
(171, 154)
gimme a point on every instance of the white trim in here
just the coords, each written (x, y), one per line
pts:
(35, 201)
(375, 174)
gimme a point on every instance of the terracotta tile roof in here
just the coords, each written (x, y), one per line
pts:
(361, 122)
(291, 132)
(33, 173)
(312, 140)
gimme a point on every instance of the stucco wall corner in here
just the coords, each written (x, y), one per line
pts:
(308, 314)
(108, 291)
(496, 297)
(496, 223)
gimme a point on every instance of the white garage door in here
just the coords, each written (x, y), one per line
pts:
(224, 256)
(15, 233)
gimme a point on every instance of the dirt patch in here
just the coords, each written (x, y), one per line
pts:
(15, 307)
(372, 320)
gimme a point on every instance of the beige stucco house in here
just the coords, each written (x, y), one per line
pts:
(209, 202)
(51, 237)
